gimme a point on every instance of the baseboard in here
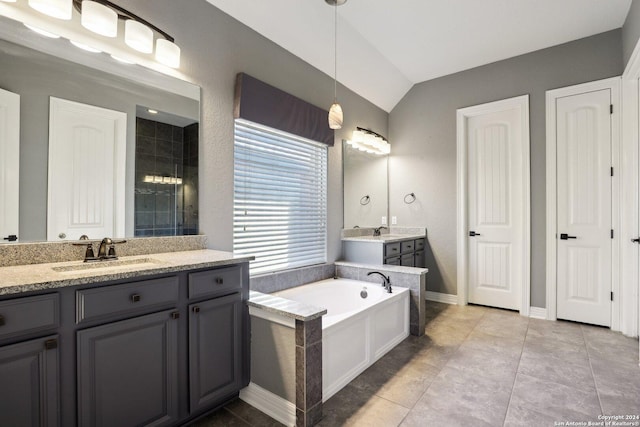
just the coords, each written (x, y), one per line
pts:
(271, 404)
(440, 297)
(538, 313)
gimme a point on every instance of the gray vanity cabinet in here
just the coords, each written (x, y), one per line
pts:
(29, 395)
(408, 252)
(215, 360)
(128, 372)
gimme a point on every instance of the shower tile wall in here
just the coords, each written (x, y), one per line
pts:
(190, 179)
(160, 151)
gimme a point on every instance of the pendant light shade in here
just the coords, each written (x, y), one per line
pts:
(99, 18)
(138, 36)
(168, 53)
(335, 116)
(335, 112)
(60, 9)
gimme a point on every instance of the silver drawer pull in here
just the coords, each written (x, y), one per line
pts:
(135, 298)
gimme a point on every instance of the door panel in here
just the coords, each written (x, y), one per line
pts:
(86, 161)
(9, 164)
(584, 207)
(495, 150)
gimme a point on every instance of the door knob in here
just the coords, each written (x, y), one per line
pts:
(11, 238)
(565, 236)
(636, 240)
(473, 234)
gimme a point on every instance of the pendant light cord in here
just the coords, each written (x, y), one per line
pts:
(335, 50)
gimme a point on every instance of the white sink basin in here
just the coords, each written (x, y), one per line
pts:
(119, 264)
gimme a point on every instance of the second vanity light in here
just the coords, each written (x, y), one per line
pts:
(370, 142)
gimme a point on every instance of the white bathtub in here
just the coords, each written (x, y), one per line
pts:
(356, 331)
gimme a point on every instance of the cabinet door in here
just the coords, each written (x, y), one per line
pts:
(128, 372)
(215, 358)
(29, 376)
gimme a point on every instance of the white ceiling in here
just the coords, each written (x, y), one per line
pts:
(385, 47)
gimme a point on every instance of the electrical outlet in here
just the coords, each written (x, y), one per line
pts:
(394, 220)
(383, 221)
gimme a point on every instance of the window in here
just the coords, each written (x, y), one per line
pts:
(280, 198)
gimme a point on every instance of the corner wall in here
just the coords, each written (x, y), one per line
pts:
(422, 131)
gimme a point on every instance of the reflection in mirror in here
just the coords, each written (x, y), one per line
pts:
(365, 187)
(38, 77)
(166, 187)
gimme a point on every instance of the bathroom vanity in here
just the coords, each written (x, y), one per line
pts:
(157, 339)
(392, 249)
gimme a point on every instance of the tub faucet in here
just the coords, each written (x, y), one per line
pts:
(386, 283)
(376, 231)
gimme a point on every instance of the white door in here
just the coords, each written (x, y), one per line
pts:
(584, 236)
(86, 171)
(495, 208)
(9, 165)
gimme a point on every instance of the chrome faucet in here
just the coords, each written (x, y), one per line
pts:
(376, 231)
(386, 281)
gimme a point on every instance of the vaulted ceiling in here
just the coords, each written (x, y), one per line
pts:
(385, 47)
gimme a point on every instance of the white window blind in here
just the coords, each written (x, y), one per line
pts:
(280, 198)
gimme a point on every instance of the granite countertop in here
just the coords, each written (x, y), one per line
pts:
(285, 307)
(384, 238)
(37, 277)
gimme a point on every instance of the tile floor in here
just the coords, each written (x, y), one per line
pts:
(477, 366)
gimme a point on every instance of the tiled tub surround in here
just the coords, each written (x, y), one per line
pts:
(286, 361)
(316, 367)
(281, 280)
(406, 277)
(50, 252)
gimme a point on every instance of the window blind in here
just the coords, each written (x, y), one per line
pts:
(280, 198)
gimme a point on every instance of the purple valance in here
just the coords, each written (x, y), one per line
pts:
(264, 104)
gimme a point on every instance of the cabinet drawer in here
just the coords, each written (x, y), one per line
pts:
(419, 244)
(27, 315)
(407, 260)
(215, 282)
(392, 261)
(391, 249)
(406, 246)
(128, 298)
(419, 259)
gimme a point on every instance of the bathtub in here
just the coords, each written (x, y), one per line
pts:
(356, 331)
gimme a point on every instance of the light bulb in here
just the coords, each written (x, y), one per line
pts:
(168, 53)
(60, 9)
(99, 18)
(138, 36)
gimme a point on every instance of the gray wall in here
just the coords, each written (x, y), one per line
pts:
(423, 136)
(631, 31)
(215, 47)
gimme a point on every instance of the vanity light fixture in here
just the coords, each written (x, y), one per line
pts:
(163, 179)
(370, 142)
(336, 117)
(42, 32)
(167, 53)
(60, 9)
(152, 111)
(99, 18)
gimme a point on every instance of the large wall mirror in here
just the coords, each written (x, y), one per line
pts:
(366, 187)
(100, 148)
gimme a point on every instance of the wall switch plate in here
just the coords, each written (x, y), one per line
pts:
(394, 220)
(383, 221)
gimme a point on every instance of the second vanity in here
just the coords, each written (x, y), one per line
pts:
(157, 339)
(405, 248)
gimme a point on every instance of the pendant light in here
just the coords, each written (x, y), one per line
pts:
(335, 112)
(99, 18)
